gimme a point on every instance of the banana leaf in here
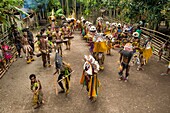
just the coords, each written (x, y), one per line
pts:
(61, 15)
(59, 11)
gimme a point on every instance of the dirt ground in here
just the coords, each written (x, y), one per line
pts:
(145, 92)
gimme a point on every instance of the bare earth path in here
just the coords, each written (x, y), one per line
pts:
(146, 91)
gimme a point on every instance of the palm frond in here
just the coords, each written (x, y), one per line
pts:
(21, 11)
(3, 20)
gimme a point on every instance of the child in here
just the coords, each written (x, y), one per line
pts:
(7, 52)
(141, 60)
(109, 44)
(37, 91)
(163, 50)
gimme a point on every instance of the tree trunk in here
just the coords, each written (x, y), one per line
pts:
(36, 20)
(62, 4)
(75, 8)
(110, 11)
(80, 10)
(67, 4)
(156, 26)
(114, 13)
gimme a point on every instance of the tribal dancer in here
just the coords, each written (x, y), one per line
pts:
(43, 46)
(89, 77)
(37, 91)
(64, 70)
(68, 34)
(99, 24)
(125, 57)
(64, 77)
(89, 33)
(52, 19)
(109, 44)
(65, 32)
(58, 65)
(30, 38)
(18, 42)
(58, 37)
(99, 48)
(83, 33)
(147, 53)
(164, 50)
(93, 32)
(27, 49)
(107, 28)
(141, 60)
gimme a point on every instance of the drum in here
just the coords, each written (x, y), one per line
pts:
(69, 37)
(59, 41)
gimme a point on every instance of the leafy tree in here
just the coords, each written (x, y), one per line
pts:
(54, 4)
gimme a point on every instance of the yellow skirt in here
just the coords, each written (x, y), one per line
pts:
(100, 47)
(93, 86)
(147, 53)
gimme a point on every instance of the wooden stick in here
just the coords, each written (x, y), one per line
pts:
(65, 76)
(55, 84)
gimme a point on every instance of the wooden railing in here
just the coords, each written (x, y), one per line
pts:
(157, 40)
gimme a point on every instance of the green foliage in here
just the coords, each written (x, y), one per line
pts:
(7, 9)
(57, 13)
(152, 11)
(136, 10)
(21, 11)
(54, 4)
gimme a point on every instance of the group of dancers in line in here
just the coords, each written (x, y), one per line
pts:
(101, 38)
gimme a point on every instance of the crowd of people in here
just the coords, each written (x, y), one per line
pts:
(102, 38)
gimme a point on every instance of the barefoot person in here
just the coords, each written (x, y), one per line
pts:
(58, 65)
(7, 52)
(64, 78)
(125, 57)
(164, 50)
(64, 70)
(90, 78)
(27, 49)
(43, 46)
(37, 91)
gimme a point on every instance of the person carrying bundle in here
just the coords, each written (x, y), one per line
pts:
(64, 70)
